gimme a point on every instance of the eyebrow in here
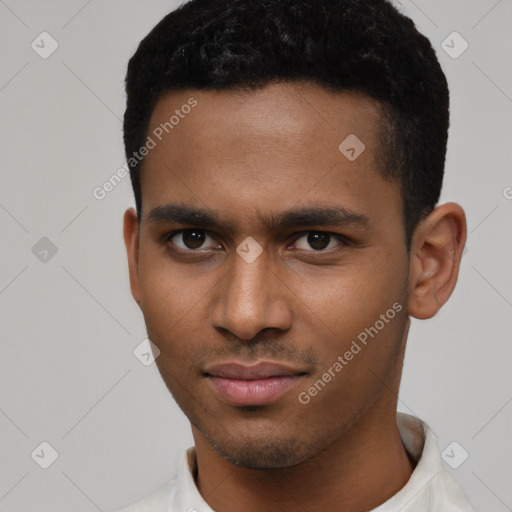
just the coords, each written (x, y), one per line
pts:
(306, 216)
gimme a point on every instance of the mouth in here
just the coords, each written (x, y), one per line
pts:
(259, 384)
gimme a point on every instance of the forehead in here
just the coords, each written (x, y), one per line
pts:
(266, 150)
(286, 116)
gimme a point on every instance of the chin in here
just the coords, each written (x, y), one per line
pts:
(262, 453)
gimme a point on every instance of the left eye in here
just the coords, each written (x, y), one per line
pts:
(318, 240)
(191, 240)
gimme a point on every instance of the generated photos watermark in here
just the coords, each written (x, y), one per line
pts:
(157, 135)
(356, 346)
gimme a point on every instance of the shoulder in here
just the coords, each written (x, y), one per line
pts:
(156, 501)
(450, 496)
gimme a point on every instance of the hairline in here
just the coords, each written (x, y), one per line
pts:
(386, 127)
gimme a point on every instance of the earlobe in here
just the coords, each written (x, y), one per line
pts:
(436, 251)
(131, 241)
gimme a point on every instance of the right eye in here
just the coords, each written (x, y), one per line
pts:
(189, 240)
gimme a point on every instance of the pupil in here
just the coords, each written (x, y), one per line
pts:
(193, 239)
(318, 240)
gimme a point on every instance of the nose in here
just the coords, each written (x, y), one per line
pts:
(251, 297)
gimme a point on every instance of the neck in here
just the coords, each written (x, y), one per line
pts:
(362, 469)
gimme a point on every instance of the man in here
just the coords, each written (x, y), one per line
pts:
(286, 158)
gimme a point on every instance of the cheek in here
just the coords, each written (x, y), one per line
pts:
(170, 302)
(346, 300)
(356, 365)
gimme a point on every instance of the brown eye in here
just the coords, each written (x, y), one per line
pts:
(318, 241)
(189, 239)
(193, 239)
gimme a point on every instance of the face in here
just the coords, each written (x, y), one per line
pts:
(271, 267)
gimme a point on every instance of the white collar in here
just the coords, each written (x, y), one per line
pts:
(430, 487)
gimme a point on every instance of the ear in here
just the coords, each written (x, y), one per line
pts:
(436, 251)
(131, 241)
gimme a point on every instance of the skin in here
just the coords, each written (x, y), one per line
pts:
(246, 156)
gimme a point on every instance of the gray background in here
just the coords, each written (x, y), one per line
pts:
(69, 325)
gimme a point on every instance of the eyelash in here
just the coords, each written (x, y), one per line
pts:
(343, 241)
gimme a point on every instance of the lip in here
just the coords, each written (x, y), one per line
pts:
(258, 384)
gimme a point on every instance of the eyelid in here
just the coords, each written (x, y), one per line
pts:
(167, 238)
(343, 240)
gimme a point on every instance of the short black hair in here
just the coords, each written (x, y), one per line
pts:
(366, 46)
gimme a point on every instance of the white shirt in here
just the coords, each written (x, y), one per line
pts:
(430, 487)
